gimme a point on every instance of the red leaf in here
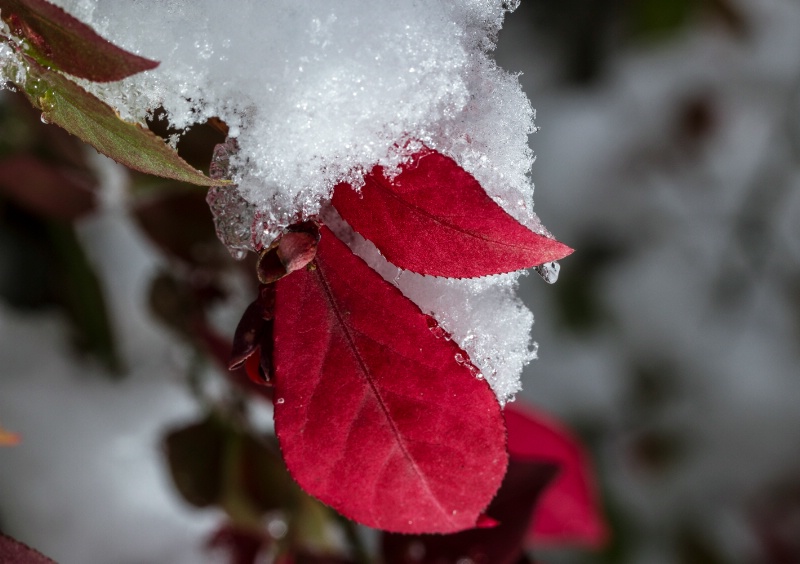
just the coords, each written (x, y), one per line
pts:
(61, 41)
(569, 511)
(434, 218)
(374, 415)
(502, 544)
(14, 552)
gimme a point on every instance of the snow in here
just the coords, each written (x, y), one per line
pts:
(676, 206)
(317, 94)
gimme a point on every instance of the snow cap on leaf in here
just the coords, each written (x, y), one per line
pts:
(434, 218)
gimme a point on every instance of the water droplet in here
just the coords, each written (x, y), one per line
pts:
(44, 119)
(475, 371)
(238, 254)
(548, 271)
(437, 331)
(460, 358)
(279, 401)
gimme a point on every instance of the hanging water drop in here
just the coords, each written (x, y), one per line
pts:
(44, 119)
(279, 401)
(460, 358)
(238, 254)
(548, 271)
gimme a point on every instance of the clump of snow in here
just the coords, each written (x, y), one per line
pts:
(320, 92)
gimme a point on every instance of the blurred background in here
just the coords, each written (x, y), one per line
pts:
(668, 156)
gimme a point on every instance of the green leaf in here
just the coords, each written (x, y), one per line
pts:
(59, 40)
(64, 103)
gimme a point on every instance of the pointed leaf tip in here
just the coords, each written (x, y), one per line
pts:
(59, 40)
(434, 218)
(375, 417)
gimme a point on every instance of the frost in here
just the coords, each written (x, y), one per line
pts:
(317, 93)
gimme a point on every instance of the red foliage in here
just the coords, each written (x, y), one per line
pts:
(502, 544)
(569, 510)
(546, 496)
(374, 415)
(434, 218)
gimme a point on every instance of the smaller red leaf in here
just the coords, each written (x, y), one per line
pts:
(434, 218)
(64, 42)
(374, 415)
(568, 512)
(14, 552)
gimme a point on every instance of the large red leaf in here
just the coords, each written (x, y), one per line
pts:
(434, 218)
(568, 513)
(63, 42)
(374, 415)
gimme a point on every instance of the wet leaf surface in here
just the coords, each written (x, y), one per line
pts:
(434, 218)
(374, 415)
